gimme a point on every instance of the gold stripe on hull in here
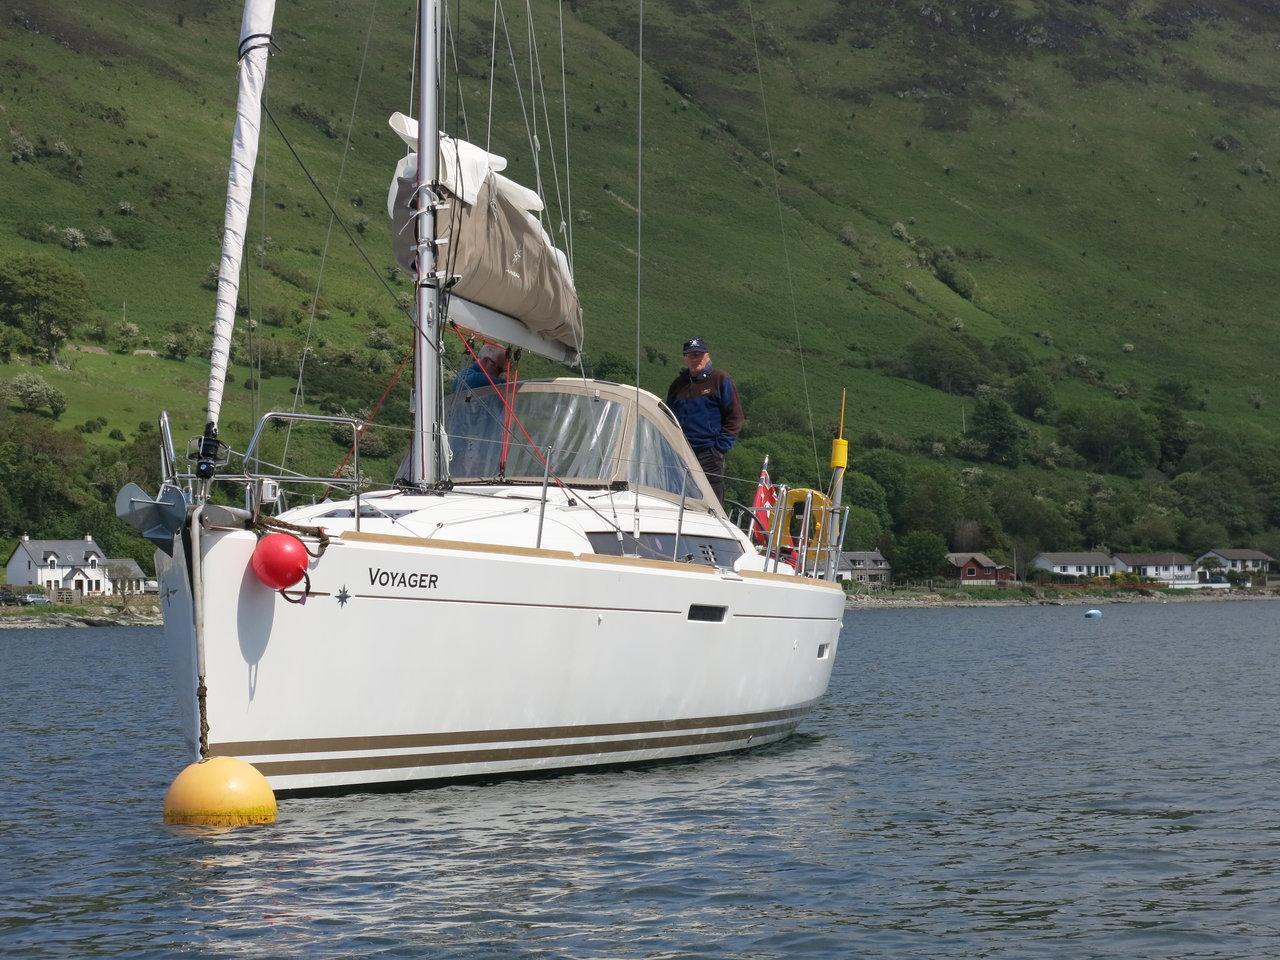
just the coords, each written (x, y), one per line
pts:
(260, 748)
(400, 761)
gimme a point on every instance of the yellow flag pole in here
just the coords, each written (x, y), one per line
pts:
(835, 523)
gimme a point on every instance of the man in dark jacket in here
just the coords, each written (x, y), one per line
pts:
(706, 403)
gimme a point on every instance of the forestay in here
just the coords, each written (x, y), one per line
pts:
(492, 241)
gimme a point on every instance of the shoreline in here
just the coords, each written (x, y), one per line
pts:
(61, 620)
(877, 601)
(936, 600)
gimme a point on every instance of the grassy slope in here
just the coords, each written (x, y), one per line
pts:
(1056, 144)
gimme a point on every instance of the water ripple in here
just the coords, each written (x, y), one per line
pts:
(977, 783)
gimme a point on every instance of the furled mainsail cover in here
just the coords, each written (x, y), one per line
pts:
(490, 238)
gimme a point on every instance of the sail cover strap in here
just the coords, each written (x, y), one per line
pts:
(255, 38)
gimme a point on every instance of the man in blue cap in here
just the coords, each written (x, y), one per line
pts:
(706, 403)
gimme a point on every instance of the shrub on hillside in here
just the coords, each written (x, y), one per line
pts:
(127, 337)
(102, 237)
(21, 150)
(210, 279)
(177, 346)
(943, 361)
(316, 117)
(949, 269)
(31, 392)
(73, 239)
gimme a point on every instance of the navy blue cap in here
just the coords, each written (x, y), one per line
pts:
(696, 345)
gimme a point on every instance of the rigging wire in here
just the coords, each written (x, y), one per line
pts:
(260, 171)
(533, 148)
(461, 102)
(782, 233)
(639, 225)
(535, 55)
(564, 102)
(328, 233)
(340, 222)
(493, 63)
(413, 60)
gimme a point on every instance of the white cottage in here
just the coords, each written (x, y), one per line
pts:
(864, 566)
(1090, 563)
(76, 565)
(1175, 569)
(1242, 561)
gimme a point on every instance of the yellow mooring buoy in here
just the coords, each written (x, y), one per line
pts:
(220, 792)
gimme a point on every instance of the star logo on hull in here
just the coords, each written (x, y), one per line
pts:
(343, 596)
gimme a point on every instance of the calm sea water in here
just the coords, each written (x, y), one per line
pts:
(977, 783)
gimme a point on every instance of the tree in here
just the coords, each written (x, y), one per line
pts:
(934, 502)
(1032, 395)
(611, 366)
(32, 392)
(1200, 536)
(1174, 434)
(862, 491)
(889, 469)
(177, 347)
(1032, 520)
(1010, 356)
(1151, 531)
(863, 530)
(942, 361)
(44, 297)
(1113, 437)
(921, 554)
(994, 426)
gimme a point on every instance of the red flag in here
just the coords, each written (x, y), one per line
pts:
(761, 507)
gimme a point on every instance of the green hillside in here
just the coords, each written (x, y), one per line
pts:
(1057, 207)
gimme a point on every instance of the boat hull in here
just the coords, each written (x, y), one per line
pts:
(411, 660)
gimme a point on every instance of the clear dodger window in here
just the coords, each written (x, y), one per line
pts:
(583, 430)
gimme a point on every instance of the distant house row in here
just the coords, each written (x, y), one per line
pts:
(1175, 569)
(79, 566)
(970, 569)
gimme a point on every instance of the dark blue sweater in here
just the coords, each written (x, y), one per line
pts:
(708, 408)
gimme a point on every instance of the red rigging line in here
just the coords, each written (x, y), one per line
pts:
(508, 415)
(509, 409)
(373, 412)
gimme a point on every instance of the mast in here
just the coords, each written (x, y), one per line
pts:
(425, 462)
(255, 38)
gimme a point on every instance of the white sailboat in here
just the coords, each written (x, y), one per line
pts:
(550, 584)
